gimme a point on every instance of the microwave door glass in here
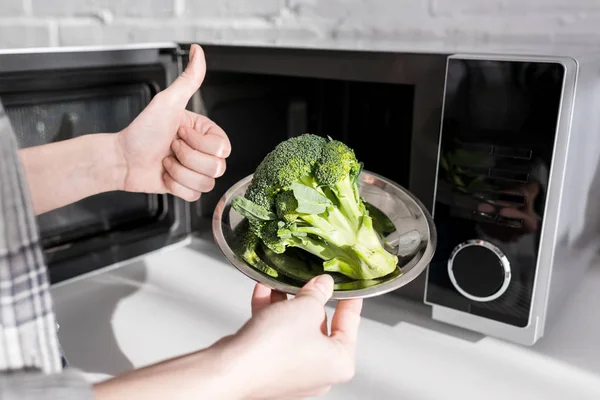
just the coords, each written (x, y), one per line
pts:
(40, 118)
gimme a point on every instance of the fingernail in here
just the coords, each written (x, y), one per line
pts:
(324, 283)
(192, 52)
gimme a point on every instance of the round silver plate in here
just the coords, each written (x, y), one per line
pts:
(414, 241)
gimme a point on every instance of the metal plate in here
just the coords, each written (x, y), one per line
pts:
(411, 218)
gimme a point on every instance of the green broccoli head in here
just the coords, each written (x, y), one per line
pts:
(270, 236)
(305, 194)
(286, 205)
(337, 162)
(247, 247)
(290, 161)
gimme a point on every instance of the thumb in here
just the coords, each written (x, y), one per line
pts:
(320, 288)
(190, 80)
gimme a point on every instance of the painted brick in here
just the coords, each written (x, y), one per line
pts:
(137, 8)
(270, 35)
(437, 25)
(15, 35)
(512, 7)
(591, 40)
(445, 7)
(73, 34)
(374, 13)
(11, 8)
(232, 8)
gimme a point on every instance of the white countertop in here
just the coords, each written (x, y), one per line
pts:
(183, 299)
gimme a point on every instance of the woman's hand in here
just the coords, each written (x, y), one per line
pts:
(170, 149)
(286, 350)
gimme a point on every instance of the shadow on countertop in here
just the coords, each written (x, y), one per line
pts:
(574, 338)
(86, 331)
(391, 309)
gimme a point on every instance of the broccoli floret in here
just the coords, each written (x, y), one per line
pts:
(247, 250)
(270, 237)
(286, 205)
(305, 194)
(290, 161)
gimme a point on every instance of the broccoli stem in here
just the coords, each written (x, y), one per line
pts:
(361, 258)
(343, 236)
(333, 227)
(314, 246)
(348, 202)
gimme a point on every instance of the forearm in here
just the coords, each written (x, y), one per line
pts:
(201, 375)
(65, 172)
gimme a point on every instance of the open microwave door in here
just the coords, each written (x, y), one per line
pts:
(54, 94)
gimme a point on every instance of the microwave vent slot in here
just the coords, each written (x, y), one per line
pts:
(497, 174)
(508, 175)
(484, 217)
(509, 222)
(489, 218)
(501, 198)
(495, 150)
(511, 152)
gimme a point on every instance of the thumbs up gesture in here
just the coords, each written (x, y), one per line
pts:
(168, 149)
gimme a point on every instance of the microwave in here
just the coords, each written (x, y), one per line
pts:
(502, 149)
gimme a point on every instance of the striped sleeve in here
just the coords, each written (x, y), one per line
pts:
(30, 361)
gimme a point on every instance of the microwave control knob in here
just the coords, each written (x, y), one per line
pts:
(479, 270)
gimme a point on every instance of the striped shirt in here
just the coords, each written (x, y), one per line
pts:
(30, 359)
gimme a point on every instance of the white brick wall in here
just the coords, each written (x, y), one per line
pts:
(386, 24)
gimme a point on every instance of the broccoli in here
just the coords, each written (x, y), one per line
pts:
(381, 222)
(305, 194)
(247, 247)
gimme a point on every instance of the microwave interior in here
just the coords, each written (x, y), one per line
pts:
(260, 111)
(378, 104)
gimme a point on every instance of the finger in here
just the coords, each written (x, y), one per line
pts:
(196, 161)
(322, 391)
(210, 143)
(190, 80)
(277, 296)
(179, 190)
(318, 392)
(320, 288)
(325, 326)
(261, 298)
(188, 178)
(346, 321)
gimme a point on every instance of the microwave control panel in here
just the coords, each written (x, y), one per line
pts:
(498, 131)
